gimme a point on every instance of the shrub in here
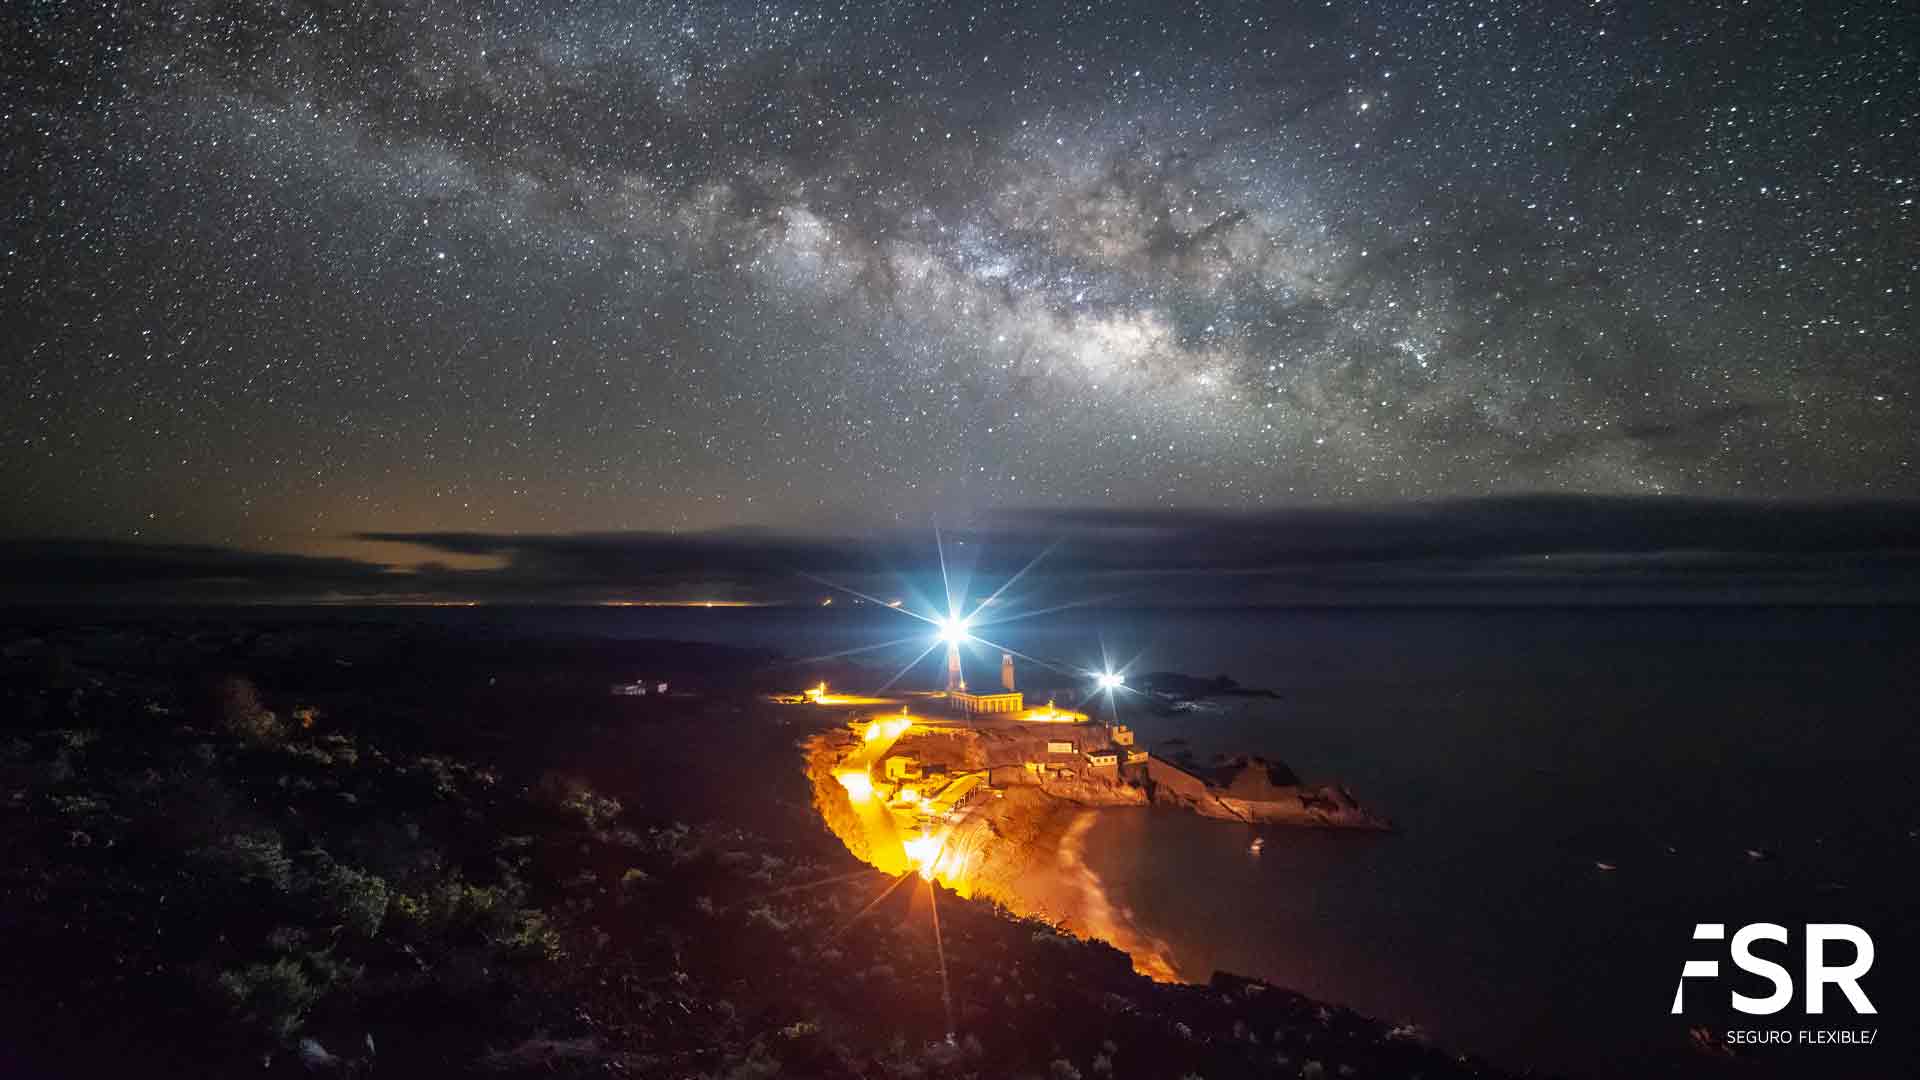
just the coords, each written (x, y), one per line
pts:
(758, 1066)
(352, 897)
(572, 797)
(272, 997)
(238, 709)
(531, 934)
(439, 774)
(762, 914)
(670, 838)
(76, 739)
(247, 858)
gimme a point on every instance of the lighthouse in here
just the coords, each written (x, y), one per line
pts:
(1006, 672)
(956, 684)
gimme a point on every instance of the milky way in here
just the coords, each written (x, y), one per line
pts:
(272, 277)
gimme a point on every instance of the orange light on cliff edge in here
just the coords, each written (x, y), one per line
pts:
(887, 729)
(858, 784)
(923, 851)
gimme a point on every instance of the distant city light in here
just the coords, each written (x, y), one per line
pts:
(684, 603)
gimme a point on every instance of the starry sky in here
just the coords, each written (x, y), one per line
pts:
(316, 278)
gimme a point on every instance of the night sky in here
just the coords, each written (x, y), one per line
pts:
(278, 276)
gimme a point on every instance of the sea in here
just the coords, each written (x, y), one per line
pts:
(1574, 790)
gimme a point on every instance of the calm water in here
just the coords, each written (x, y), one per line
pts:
(1517, 749)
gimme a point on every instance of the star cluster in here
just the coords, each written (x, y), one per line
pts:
(276, 274)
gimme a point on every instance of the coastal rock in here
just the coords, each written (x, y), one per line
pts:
(1254, 778)
(1258, 792)
(1090, 792)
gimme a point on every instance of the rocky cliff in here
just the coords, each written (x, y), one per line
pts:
(1257, 791)
(1021, 847)
(1087, 791)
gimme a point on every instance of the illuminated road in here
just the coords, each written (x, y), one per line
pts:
(896, 839)
(855, 773)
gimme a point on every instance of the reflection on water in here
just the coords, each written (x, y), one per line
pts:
(1090, 911)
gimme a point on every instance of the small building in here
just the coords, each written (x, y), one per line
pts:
(1137, 757)
(955, 797)
(634, 689)
(1059, 746)
(1122, 735)
(902, 767)
(970, 704)
(1104, 763)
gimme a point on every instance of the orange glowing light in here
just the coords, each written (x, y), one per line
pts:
(858, 784)
(923, 852)
(887, 729)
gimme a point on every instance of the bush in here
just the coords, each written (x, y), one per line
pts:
(574, 798)
(240, 712)
(532, 934)
(245, 859)
(453, 908)
(272, 997)
(352, 897)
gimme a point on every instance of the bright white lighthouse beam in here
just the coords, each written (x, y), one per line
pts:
(953, 630)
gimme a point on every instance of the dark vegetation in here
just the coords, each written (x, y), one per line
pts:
(354, 849)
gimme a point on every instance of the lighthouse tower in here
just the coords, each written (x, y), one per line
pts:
(1006, 671)
(955, 683)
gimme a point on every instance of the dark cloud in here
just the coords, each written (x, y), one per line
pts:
(1515, 549)
(1503, 548)
(54, 570)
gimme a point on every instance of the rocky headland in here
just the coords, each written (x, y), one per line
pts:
(1034, 789)
(1257, 791)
